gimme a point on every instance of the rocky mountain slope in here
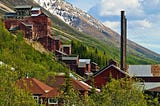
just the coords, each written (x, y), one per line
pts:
(84, 23)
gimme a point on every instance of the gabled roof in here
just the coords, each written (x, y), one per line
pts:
(77, 85)
(34, 86)
(109, 66)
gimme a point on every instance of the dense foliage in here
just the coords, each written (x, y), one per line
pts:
(89, 53)
(10, 94)
(123, 92)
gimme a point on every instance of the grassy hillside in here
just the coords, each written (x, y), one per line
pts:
(25, 59)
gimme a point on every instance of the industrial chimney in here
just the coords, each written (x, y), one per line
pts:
(123, 41)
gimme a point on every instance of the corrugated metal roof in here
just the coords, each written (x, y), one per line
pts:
(23, 6)
(147, 85)
(87, 61)
(35, 9)
(140, 70)
(70, 58)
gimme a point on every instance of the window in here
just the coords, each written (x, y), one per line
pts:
(36, 98)
(52, 101)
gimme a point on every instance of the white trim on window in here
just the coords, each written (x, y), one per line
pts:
(52, 101)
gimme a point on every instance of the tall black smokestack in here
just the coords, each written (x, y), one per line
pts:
(123, 40)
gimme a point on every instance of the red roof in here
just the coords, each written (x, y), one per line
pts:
(53, 93)
(34, 86)
(77, 85)
(80, 86)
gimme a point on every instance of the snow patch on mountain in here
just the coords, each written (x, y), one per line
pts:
(69, 13)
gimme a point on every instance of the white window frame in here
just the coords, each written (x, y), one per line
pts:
(52, 102)
(36, 98)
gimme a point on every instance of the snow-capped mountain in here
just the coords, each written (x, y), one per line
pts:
(67, 12)
(78, 19)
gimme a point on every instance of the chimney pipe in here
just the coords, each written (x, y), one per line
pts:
(123, 40)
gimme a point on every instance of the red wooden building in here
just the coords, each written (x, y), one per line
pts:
(50, 43)
(42, 93)
(102, 77)
(71, 61)
(35, 25)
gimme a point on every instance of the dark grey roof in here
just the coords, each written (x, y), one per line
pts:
(14, 28)
(10, 14)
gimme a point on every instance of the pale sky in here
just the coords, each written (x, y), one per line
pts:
(143, 18)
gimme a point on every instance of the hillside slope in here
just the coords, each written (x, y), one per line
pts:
(15, 52)
(89, 31)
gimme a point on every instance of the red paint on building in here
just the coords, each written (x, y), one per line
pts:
(102, 77)
(49, 42)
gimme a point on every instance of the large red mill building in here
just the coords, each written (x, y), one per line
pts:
(34, 24)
